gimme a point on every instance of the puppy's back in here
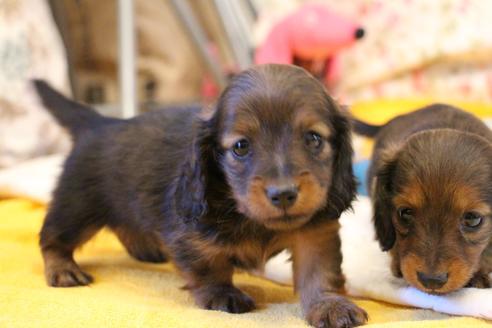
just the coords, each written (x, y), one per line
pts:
(436, 116)
(117, 160)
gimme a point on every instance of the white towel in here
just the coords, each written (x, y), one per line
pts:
(33, 179)
(367, 270)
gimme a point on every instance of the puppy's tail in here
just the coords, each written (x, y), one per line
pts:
(76, 117)
(365, 129)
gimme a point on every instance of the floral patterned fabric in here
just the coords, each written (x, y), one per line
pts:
(29, 47)
(440, 49)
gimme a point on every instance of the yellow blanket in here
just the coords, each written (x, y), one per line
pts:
(127, 293)
(382, 110)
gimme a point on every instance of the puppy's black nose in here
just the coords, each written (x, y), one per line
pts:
(282, 197)
(359, 33)
(432, 281)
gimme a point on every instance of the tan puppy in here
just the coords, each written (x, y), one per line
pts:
(431, 186)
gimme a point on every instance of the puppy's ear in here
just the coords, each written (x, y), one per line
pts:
(343, 187)
(382, 191)
(190, 198)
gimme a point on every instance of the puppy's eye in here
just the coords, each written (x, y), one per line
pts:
(472, 220)
(406, 215)
(241, 148)
(313, 141)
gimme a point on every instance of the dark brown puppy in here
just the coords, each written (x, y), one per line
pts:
(430, 182)
(271, 169)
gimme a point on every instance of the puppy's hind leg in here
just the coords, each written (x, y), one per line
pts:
(146, 247)
(65, 229)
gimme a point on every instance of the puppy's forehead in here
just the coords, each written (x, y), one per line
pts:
(448, 169)
(272, 96)
(452, 197)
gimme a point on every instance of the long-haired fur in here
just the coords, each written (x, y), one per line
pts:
(430, 186)
(269, 169)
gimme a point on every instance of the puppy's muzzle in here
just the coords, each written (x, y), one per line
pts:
(282, 197)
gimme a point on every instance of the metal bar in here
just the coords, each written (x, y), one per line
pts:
(244, 27)
(235, 25)
(127, 54)
(224, 19)
(199, 39)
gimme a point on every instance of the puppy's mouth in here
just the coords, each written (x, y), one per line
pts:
(286, 222)
(435, 285)
(433, 290)
(443, 278)
(444, 290)
(437, 292)
(281, 220)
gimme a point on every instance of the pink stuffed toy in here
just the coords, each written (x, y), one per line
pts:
(310, 37)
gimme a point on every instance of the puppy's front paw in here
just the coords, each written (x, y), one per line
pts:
(480, 280)
(335, 312)
(67, 275)
(224, 298)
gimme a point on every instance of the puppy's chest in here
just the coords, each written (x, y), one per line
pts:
(246, 251)
(250, 255)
